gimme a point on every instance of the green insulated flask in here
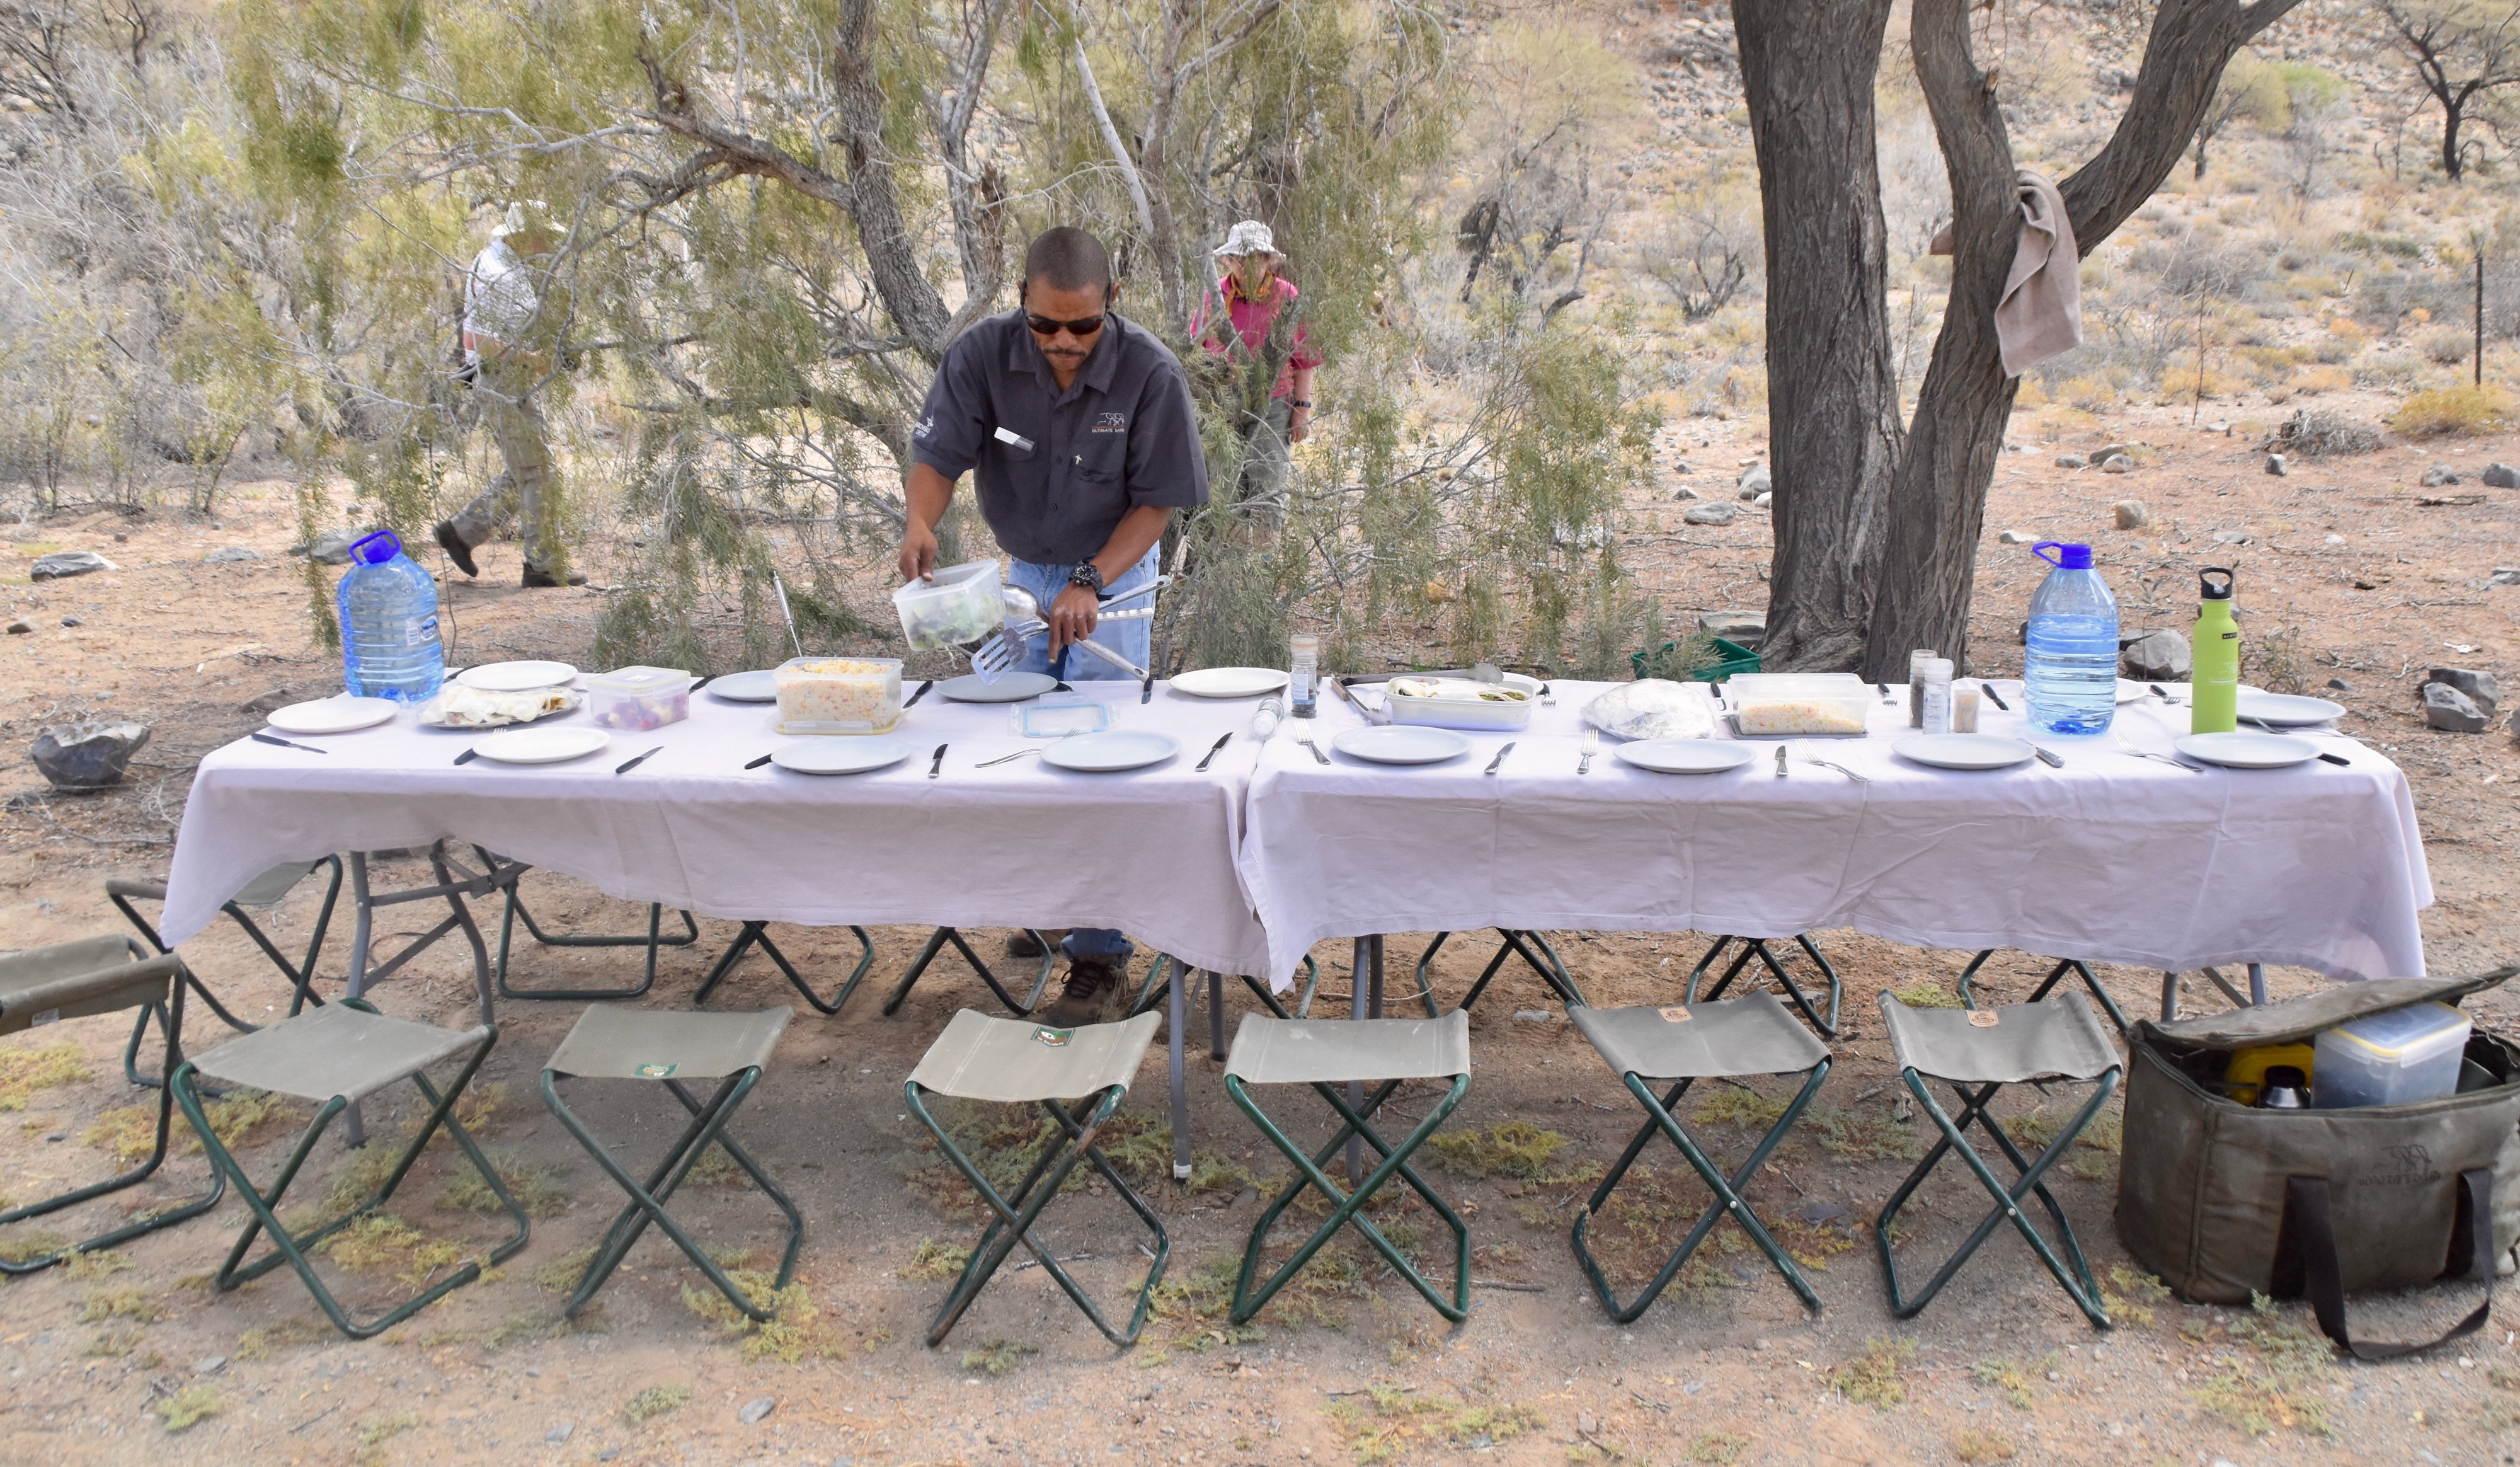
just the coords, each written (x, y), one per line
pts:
(2216, 696)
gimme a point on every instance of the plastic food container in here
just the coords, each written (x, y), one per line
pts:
(1441, 702)
(1768, 714)
(839, 695)
(960, 604)
(2396, 1058)
(636, 698)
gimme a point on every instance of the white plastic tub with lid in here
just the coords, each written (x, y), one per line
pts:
(2393, 1058)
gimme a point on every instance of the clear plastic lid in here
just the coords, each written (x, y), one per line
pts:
(638, 679)
(2388, 1035)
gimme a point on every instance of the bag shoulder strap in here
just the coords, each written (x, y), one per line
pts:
(2306, 1260)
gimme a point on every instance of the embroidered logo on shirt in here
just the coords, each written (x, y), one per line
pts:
(1110, 421)
(925, 427)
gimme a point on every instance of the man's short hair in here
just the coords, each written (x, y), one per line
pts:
(1067, 258)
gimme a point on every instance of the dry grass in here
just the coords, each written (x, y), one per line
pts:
(1930, 994)
(1877, 1377)
(997, 1356)
(24, 1072)
(2281, 1384)
(2466, 411)
(654, 1401)
(1385, 1423)
(1976, 1445)
(382, 1241)
(535, 1185)
(1517, 1150)
(2131, 1295)
(123, 1301)
(935, 1261)
(260, 1342)
(188, 1407)
(793, 1331)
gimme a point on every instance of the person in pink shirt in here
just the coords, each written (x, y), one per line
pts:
(1238, 322)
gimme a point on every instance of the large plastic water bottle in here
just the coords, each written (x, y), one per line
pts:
(2070, 674)
(390, 643)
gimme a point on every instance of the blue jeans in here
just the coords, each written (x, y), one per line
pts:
(1134, 640)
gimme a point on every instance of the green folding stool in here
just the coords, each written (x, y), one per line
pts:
(1016, 1062)
(1689, 1042)
(75, 980)
(336, 1056)
(1325, 1054)
(646, 1044)
(1977, 1052)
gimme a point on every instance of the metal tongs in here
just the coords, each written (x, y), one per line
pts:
(998, 652)
(1370, 714)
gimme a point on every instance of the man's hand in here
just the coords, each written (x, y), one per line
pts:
(1299, 422)
(1073, 616)
(918, 550)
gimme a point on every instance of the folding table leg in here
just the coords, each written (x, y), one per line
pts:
(1177, 1024)
(1727, 1195)
(2078, 1284)
(936, 941)
(757, 935)
(1757, 947)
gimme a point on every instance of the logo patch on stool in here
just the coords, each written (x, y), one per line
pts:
(1675, 1014)
(1056, 1038)
(1984, 1018)
(658, 1072)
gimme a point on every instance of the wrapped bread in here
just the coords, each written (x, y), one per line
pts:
(1653, 707)
(459, 706)
(1800, 716)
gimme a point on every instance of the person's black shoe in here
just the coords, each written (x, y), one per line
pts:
(538, 578)
(1090, 982)
(456, 550)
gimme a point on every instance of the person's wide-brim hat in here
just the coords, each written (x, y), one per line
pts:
(1250, 237)
(524, 215)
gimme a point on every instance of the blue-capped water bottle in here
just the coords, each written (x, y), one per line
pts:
(390, 643)
(2070, 672)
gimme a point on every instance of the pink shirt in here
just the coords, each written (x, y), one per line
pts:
(1251, 322)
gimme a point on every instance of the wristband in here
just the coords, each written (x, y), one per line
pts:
(1305, 403)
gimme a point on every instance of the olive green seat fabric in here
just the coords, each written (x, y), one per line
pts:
(1009, 1061)
(652, 1044)
(1270, 1051)
(2054, 1039)
(334, 1051)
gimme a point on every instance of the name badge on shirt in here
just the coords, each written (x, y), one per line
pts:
(1009, 435)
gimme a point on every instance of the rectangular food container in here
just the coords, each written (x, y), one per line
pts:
(637, 698)
(839, 695)
(1460, 711)
(1767, 715)
(953, 606)
(2392, 1057)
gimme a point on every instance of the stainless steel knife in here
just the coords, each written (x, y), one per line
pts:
(936, 762)
(1499, 758)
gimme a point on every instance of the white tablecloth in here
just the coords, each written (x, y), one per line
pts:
(1149, 852)
(2110, 858)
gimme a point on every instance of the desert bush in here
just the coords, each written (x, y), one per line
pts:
(2309, 382)
(2316, 434)
(2445, 345)
(2465, 410)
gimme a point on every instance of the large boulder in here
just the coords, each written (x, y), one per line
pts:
(88, 755)
(61, 564)
(2452, 712)
(1710, 514)
(2157, 657)
(2480, 686)
(1755, 482)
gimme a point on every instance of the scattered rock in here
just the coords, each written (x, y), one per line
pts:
(20, 627)
(1755, 482)
(1585, 1425)
(559, 1432)
(1764, 501)
(1682, 465)
(2451, 710)
(2117, 463)
(2130, 514)
(2279, 466)
(332, 547)
(2012, 538)
(212, 1366)
(756, 1408)
(263, 702)
(2158, 657)
(1821, 1212)
(2219, 426)
(1742, 629)
(2340, 685)
(2113, 450)
(2504, 576)
(2439, 475)
(75, 621)
(2072, 461)
(1709, 514)
(232, 554)
(2439, 501)
(2336, 539)
(1533, 1016)
(2500, 476)
(2480, 687)
(62, 565)
(2230, 538)
(88, 755)
(1244, 1197)
(120, 538)
(1683, 493)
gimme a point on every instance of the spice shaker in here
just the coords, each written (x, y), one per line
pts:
(1936, 696)
(1916, 685)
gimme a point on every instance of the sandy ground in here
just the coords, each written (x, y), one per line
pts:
(1724, 1368)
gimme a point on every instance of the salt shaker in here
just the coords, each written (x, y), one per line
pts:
(1916, 685)
(1264, 720)
(1963, 710)
(1936, 696)
(1301, 690)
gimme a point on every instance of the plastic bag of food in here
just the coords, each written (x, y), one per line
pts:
(1653, 707)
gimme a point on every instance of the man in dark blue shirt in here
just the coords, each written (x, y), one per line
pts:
(1078, 426)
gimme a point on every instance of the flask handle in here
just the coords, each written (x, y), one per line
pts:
(2207, 590)
(388, 536)
(2044, 546)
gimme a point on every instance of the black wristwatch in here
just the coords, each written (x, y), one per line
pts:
(1305, 403)
(1089, 576)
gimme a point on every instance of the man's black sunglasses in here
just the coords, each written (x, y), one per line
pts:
(1043, 326)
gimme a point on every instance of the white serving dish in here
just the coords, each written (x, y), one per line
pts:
(760, 686)
(2244, 750)
(340, 713)
(639, 698)
(840, 755)
(1013, 687)
(1684, 755)
(839, 695)
(1111, 751)
(2285, 710)
(543, 745)
(1964, 751)
(1229, 682)
(1399, 744)
(954, 607)
(517, 677)
(1455, 711)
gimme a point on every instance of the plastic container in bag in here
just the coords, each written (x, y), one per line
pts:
(952, 607)
(639, 698)
(2392, 1057)
(839, 695)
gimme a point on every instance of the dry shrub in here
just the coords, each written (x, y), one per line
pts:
(2275, 661)
(2090, 393)
(2447, 345)
(2309, 382)
(2316, 434)
(1875, 1377)
(2466, 411)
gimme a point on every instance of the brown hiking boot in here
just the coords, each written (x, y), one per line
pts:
(538, 578)
(1090, 983)
(456, 549)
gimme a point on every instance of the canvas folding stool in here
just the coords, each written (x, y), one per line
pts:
(336, 1056)
(510, 876)
(1687, 1043)
(1977, 1052)
(2055, 976)
(648, 1044)
(262, 893)
(103, 975)
(936, 941)
(1326, 1054)
(757, 935)
(1015, 1062)
(1757, 947)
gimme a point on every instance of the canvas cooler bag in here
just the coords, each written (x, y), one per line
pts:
(2222, 1200)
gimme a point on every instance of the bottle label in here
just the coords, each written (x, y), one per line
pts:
(423, 631)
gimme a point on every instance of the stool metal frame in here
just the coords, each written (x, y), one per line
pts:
(2056, 975)
(1708, 1040)
(936, 941)
(2066, 1043)
(93, 976)
(1757, 947)
(1518, 942)
(311, 1052)
(731, 1048)
(300, 973)
(757, 935)
(511, 886)
(1325, 1053)
(1013, 1062)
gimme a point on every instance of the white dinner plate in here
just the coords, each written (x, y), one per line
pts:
(2247, 751)
(1229, 682)
(1684, 755)
(542, 745)
(340, 713)
(515, 678)
(2128, 690)
(1111, 751)
(1400, 744)
(1964, 751)
(2285, 710)
(844, 754)
(746, 687)
(1015, 687)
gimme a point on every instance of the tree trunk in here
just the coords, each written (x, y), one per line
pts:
(1808, 70)
(2449, 139)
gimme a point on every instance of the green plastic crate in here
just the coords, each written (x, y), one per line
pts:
(1737, 659)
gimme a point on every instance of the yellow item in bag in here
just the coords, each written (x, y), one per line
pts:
(2248, 1068)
